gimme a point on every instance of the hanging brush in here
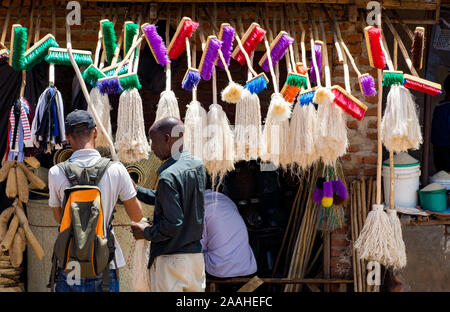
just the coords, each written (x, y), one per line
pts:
(252, 37)
(4, 52)
(156, 44)
(226, 35)
(60, 56)
(413, 81)
(278, 49)
(18, 46)
(319, 54)
(192, 77)
(109, 39)
(185, 28)
(130, 30)
(168, 104)
(418, 45)
(373, 36)
(209, 57)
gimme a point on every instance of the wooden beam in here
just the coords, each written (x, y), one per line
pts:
(251, 285)
(274, 280)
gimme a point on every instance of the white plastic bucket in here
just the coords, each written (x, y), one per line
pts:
(406, 184)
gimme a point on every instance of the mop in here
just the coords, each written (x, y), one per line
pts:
(376, 239)
(331, 140)
(247, 124)
(276, 128)
(168, 104)
(303, 126)
(195, 120)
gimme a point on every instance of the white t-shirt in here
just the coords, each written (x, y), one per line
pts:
(115, 184)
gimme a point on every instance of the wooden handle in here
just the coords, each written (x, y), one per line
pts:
(245, 55)
(272, 72)
(313, 52)
(168, 66)
(5, 26)
(325, 53)
(391, 180)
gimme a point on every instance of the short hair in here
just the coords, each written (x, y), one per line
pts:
(447, 85)
(80, 133)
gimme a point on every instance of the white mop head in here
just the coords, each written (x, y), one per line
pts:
(302, 136)
(279, 108)
(131, 141)
(102, 107)
(247, 131)
(167, 106)
(376, 240)
(195, 123)
(399, 255)
(400, 128)
(331, 141)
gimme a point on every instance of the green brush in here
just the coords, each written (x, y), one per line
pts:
(131, 29)
(130, 81)
(109, 71)
(109, 39)
(390, 77)
(296, 80)
(92, 74)
(59, 56)
(38, 51)
(19, 46)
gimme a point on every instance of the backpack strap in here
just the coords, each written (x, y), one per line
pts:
(85, 175)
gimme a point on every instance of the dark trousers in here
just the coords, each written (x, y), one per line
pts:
(441, 157)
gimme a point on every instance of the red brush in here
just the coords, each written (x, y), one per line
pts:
(373, 37)
(347, 102)
(422, 85)
(252, 37)
(178, 43)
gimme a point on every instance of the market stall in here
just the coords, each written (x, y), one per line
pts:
(321, 119)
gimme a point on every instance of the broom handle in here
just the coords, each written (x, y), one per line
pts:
(313, 52)
(87, 97)
(294, 33)
(269, 60)
(385, 50)
(119, 43)
(194, 55)
(325, 52)
(214, 73)
(245, 55)
(303, 46)
(137, 51)
(5, 26)
(336, 33)
(168, 67)
(38, 23)
(402, 46)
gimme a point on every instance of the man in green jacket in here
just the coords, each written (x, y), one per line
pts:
(176, 262)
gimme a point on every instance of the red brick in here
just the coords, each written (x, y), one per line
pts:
(371, 160)
(355, 48)
(370, 171)
(362, 60)
(352, 124)
(337, 252)
(372, 99)
(351, 171)
(353, 38)
(372, 125)
(346, 157)
(371, 112)
(360, 160)
(353, 149)
(339, 240)
(372, 135)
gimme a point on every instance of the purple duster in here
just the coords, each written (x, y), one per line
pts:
(209, 57)
(156, 44)
(227, 45)
(278, 51)
(318, 52)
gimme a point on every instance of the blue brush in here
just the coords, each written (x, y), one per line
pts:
(109, 85)
(257, 84)
(191, 79)
(306, 97)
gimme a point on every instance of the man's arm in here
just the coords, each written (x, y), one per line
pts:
(57, 214)
(133, 208)
(145, 195)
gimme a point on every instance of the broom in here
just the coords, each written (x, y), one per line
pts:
(18, 46)
(185, 29)
(331, 140)
(276, 128)
(418, 45)
(192, 77)
(375, 241)
(168, 104)
(109, 39)
(4, 52)
(156, 44)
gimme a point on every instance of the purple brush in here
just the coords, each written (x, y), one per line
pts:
(317, 195)
(367, 85)
(156, 44)
(278, 51)
(109, 85)
(340, 192)
(227, 37)
(209, 57)
(318, 51)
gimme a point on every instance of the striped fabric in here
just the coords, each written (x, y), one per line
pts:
(24, 110)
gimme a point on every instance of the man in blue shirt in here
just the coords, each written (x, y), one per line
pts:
(176, 261)
(440, 131)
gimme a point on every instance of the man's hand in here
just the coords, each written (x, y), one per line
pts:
(138, 229)
(134, 184)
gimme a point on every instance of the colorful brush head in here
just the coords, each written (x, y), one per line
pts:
(226, 35)
(278, 49)
(110, 70)
(318, 49)
(348, 103)
(422, 85)
(373, 38)
(367, 84)
(92, 74)
(297, 80)
(109, 39)
(131, 29)
(257, 84)
(109, 85)
(418, 45)
(19, 45)
(340, 193)
(301, 68)
(252, 37)
(178, 44)
(60, 56)
(307, 97)
(290, 93)
(156, 44)
(191, 79)
(392, 78)
(327, 199)
(38, 51)
(209, 57)
(129, 81)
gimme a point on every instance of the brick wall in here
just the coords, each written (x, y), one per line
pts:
(362, 135)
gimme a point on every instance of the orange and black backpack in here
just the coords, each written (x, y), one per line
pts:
(81, 236)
